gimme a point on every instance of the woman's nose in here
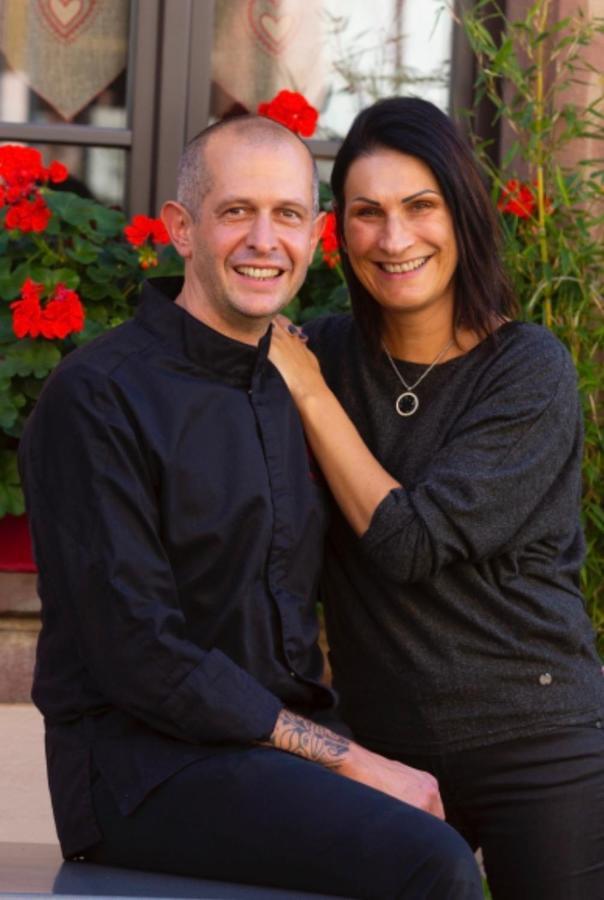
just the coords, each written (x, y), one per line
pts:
(396, 236)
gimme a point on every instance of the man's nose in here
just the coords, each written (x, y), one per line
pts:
(262, 235)
(396, 236)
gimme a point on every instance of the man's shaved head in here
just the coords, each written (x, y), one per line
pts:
(194, 179)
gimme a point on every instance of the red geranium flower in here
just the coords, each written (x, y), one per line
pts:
(292, 110)
(57, 172)
(21, 174)
(26, 311)
(517, 199)
(28, 215)
(62, 315)
(142, 228)
(21, 169)
(31, 290)
(329, 241)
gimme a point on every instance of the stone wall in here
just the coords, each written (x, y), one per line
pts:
(19, 628)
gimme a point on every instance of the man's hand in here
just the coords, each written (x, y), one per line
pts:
(394, 778)
(298, 735)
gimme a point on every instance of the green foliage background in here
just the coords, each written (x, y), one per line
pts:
(555, 258)
(84, 248)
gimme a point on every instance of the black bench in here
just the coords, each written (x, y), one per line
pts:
(33, 871)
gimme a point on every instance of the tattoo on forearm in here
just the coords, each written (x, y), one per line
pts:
(298, 735)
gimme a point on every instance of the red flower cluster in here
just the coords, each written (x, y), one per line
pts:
(292, 110)
(142, 229)
(517, 199)
(28, 215)
(21, 176)
(329, 241)
(62, 314)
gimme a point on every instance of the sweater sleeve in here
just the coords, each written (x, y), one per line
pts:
(502, 457)
(106, 579)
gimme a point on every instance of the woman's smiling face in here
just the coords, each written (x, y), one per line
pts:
(398, 232)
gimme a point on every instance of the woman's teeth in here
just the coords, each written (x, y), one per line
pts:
(398, 268)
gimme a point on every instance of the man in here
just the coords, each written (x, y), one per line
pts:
(178, 530)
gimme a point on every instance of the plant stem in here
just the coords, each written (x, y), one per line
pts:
(541, 22)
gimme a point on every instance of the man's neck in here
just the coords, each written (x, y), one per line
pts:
(245, 330)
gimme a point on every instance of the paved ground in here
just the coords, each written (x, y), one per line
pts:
(25, 813)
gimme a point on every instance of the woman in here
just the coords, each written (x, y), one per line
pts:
(450, 438)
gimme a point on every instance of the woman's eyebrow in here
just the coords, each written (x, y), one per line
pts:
(364, 200)
(361, 199)
(419, 194)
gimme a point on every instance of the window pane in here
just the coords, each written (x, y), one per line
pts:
(99, 172)
(64, 61)
(341, 54)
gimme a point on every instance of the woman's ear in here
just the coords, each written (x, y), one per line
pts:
(179, 224)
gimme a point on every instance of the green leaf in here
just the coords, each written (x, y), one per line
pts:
(97, 275)
(65, 276)
(126, 254)
(94, 291)
(109, 222)
(11, 284)
(87, 216)
(73, 209)
(561, 185)
(34, 356)
(170, 265)
(504, 53)
(9, 409)
(83, 251)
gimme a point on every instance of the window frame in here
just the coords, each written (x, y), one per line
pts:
(137, 137)
(169, 74)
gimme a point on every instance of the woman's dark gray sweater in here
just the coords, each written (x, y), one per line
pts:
(457, 620)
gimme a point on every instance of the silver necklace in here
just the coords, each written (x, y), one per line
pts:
(408, 402)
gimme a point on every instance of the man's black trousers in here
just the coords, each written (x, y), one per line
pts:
(261, 816)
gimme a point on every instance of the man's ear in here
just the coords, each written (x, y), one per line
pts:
(317, 231)
(178, 222)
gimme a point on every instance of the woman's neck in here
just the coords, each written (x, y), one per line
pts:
(418, 338)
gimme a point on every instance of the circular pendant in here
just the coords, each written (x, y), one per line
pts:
(407, 403)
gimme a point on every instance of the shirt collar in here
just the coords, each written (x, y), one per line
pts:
(212, 352)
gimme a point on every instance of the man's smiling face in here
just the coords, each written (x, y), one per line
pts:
(254, 234)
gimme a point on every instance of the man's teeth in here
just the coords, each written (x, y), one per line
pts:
(397, 268)
(254, 272)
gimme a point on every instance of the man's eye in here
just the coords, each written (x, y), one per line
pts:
(235, 211)
(290, 214)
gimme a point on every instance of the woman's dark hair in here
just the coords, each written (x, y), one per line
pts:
(418, 128)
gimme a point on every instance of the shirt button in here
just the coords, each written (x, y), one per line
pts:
(598, 723)
(292, 674)
(545, 679)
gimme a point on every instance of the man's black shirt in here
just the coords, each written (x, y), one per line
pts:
(177, 529)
